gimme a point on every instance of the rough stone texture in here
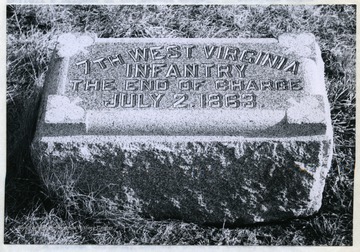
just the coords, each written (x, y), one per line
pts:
(237, 164)
(234, 180)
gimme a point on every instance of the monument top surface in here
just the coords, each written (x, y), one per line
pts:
(253, 87)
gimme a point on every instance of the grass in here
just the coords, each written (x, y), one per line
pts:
(34, 216)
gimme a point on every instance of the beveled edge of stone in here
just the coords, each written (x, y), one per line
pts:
(303, 44)
(126, 139)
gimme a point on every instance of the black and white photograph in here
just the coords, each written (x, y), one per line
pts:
(169, 124)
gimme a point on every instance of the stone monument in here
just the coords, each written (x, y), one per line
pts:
(203, 130)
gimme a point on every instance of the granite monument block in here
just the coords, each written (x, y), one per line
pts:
(203, 130)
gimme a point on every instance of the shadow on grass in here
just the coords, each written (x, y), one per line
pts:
(23, 189)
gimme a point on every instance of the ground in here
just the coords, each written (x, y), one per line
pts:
(34, 216)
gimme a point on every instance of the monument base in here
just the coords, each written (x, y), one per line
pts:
(202, 179)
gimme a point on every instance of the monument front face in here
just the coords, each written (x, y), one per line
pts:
(206, 130)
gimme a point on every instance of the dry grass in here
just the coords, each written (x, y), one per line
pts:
(33, 216)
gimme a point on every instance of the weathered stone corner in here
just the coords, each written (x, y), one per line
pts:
(70, 44)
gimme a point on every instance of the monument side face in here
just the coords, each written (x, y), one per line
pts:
(205, 130)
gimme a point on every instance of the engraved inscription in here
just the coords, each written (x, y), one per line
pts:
(186, 76)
